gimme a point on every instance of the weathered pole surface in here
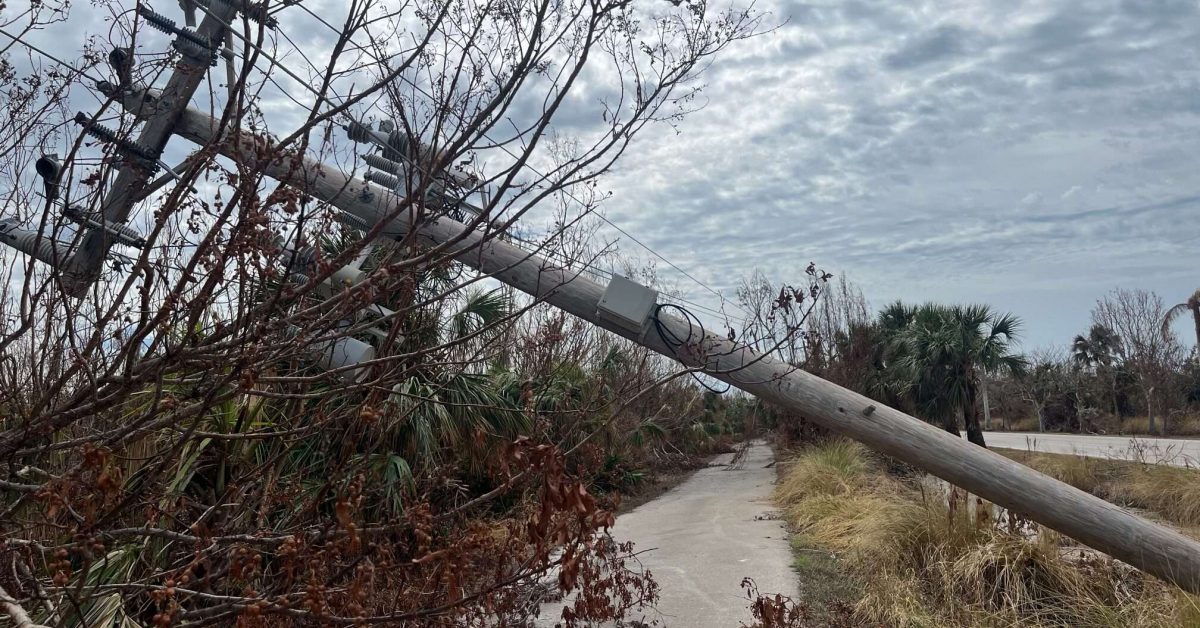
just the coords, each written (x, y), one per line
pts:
(1079, 515)
(83, 267)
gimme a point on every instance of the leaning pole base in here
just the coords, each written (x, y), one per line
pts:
(1079, 515)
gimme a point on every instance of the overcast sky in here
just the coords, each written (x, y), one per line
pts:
(1027, 155)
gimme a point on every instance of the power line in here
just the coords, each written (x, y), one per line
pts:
(597, 271)
(570, 194)
(274, 61)
(49, 56)
(271, 58)
(656, 254)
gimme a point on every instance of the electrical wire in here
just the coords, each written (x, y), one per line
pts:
(676, 343)
(588, 266)
(602, 273)
(426, 94)
(533, 169)
(274, 61)
(48, 55)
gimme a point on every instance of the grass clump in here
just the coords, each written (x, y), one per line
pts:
(1170, 493)
(920, 556)
(837, 468)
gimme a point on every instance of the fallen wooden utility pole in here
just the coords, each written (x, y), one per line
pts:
(1079, 515)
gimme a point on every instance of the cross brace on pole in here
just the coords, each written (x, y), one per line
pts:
(1079, 515)
(83, 266)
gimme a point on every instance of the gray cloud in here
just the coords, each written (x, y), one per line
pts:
(1029, 154)
(1032, 155)
(943, 43)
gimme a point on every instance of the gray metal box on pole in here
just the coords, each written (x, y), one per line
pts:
(627, 304)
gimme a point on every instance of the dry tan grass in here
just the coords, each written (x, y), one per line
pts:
(922, 563)
(1082, 472)
(835, 468)
(1181, 425)
(1134, 425)
(1185, 426)
(1172, 493)
(1023, 424)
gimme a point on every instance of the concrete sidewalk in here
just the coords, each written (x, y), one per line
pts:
(702, 538)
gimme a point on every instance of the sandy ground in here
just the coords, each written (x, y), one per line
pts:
(702, 538)
(1174, 451)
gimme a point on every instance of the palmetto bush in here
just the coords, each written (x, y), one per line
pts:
(277, 412)
(341, 502)
(472, 461)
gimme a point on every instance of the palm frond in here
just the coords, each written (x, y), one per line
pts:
(114, 567)
(431, 415)
(896, 316)
(397, 480)
(1173, 314)
(1015, 365)
(647, 431)
(479, 310)
(1007, 325)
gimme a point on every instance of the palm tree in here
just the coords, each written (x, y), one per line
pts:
(480, 310)
(1081, 351)
(1099, 350)
(896, 317)
(944, 353)
(989, 336)
(1191, 305)
(921, 355)
(888, 382)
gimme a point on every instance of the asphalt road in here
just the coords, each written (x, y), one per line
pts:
(1173, 451)
(702, 538)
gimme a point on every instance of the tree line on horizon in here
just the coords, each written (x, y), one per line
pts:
(958, 366)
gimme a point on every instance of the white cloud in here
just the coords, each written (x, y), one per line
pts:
(914, 146)
(1029, 154)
